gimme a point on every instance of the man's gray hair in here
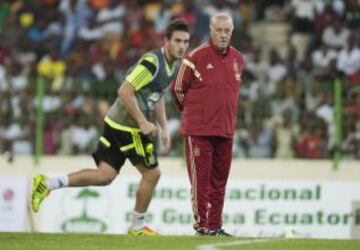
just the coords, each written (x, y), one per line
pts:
(221, 16)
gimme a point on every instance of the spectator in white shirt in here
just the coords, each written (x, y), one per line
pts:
(275, 72)
(303, 14)
(321, 59)
(349, 59)
(256, 65)
(336, 36)
(91, 32)
(109, 18)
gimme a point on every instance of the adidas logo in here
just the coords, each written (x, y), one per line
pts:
(209, 66)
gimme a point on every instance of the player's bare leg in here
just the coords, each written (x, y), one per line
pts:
(149, 179)
(42, 185)
(101, 176)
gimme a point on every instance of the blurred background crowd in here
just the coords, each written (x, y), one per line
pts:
(294, 50)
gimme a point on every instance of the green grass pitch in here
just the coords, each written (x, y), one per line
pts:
(42, 241)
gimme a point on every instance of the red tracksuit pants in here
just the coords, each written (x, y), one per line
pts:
(208, 160)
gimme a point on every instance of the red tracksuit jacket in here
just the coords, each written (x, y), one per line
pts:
(206, 90)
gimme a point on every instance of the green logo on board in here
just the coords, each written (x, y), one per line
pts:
(84, 223)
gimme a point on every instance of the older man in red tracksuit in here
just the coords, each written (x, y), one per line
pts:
(206, 91)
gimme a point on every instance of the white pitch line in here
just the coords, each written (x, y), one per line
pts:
(218, 246)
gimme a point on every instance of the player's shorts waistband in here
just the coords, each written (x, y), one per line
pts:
(118, 126)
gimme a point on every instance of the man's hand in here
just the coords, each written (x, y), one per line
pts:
(166, 140)
(148, 128)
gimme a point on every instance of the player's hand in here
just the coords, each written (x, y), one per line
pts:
(148, 128)
(166, 140)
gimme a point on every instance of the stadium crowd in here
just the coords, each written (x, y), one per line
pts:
(294, 49)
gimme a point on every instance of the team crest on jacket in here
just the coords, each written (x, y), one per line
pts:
(236, 69)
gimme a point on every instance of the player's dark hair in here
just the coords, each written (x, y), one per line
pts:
(176, 25)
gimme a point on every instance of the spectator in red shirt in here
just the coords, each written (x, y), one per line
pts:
(206, 92)
(310, 144)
